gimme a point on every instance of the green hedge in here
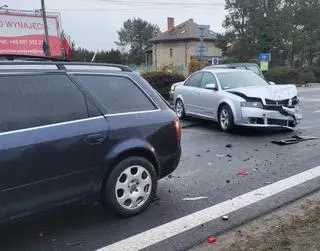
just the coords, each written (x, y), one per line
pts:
(162, 81)
(286, 75)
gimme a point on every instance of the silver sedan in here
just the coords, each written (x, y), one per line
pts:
(237, 97)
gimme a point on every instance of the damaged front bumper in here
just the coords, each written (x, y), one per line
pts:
(279, 116)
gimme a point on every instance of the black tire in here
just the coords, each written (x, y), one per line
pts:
(109, 196)
(181, 114)
(230, 126)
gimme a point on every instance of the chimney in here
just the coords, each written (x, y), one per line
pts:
(170, 22)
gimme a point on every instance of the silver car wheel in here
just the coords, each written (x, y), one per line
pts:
(133, 187)
(224, 118)
(179, 108)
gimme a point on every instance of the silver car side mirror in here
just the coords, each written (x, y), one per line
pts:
(211, 86)
(272, 83)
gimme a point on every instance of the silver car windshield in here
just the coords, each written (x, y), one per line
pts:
(231, 80)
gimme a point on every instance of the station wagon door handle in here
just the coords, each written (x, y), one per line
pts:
(94, 139)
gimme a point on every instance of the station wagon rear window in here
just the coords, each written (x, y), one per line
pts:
(117, 94)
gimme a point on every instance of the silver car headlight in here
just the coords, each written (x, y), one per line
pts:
(254, 104)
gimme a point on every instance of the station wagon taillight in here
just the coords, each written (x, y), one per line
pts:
(177, 125)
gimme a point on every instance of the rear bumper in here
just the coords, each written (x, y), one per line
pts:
(279, 117)
(170, 163)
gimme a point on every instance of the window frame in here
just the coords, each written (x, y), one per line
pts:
(188, 80)
(214, 77)
(98, 103)
(49, 124)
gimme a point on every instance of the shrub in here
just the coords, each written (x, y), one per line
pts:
(194, 65)
(306, 77)
(162, 81)
(313, 72)
(282, 75)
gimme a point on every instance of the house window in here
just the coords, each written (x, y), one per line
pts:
(171, 52)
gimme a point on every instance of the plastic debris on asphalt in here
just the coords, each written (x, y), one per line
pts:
(242, 173)
(212, 239)
(74, 243)
(225, 217)
(293, 140)
(195, 198)
(229, 146)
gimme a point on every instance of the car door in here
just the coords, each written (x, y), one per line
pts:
(52, 140)
(191, 93)
(208, 99)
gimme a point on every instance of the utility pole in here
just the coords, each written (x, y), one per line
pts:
(44, 16)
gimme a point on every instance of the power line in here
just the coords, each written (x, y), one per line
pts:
(139, 2)
(164, 3)
(120, 9)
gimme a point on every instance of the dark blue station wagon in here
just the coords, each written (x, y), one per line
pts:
(72, 132)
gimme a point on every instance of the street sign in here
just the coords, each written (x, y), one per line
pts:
(203, 30)
(201, 49)
(265, 57)
(215, 60)
(264, 65)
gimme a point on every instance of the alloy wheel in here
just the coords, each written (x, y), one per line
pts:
(133, 187)
(224, 118)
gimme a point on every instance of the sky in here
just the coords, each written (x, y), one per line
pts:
(93, 24)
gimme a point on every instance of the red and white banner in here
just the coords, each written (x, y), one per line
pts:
(23, 33)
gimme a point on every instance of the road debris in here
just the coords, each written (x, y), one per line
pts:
(195, 198)
(293, 140)
(225, 217)
(242, 173)
(212, 239)
(74, 243)
(220, 155)
(228, 181)
(228, 146)
(209, 164)
(246, 159)
(198, 155)
(229, 155)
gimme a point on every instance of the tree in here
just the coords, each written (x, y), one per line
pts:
(135, 35)
(289, 29)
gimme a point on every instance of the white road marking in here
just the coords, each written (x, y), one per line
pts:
(195, 198)
(170, 229)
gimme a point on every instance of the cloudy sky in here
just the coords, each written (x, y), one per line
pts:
(93, 24)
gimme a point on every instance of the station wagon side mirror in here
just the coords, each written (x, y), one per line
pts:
(272, 83)
(211, 86)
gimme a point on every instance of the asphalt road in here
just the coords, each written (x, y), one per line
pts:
(205, 171)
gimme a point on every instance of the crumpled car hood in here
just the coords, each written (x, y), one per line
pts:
(273, 92)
